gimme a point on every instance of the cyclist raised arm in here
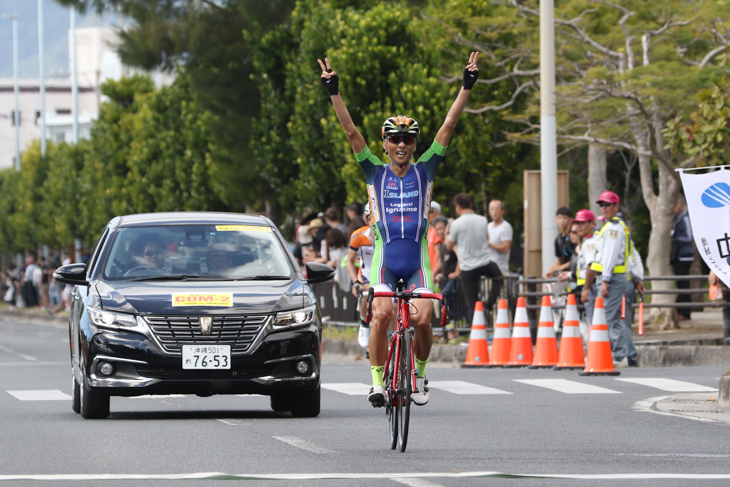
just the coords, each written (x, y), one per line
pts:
(331, 82)
(400, 196)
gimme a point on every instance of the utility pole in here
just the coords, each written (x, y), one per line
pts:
(74, 84)
(16, 89)
(548, 131)
(41, 77)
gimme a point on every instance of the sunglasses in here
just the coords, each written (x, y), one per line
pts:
(407, 139)
(152, 253)
(573, 231)
(603, 204)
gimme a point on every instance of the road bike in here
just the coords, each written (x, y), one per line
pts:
(399, 374)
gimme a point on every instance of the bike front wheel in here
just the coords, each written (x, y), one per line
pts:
(405, 388)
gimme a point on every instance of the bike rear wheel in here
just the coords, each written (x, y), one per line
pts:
(405, 388)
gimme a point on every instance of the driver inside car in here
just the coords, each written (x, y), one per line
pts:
(148, 251)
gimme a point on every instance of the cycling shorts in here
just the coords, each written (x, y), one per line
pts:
(401, 259)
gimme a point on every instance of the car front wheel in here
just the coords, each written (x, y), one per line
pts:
(94, 404)
(306, 404)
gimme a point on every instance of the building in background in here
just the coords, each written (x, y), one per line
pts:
(96, 62)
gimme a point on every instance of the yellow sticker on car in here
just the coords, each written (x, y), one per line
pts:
(242, 228)
(202, 300)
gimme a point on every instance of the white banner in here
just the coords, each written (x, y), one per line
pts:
(708, 204)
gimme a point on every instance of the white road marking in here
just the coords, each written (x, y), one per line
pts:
(232, 422)
(165, 396)
(40, 395)
(671, 385)
(416, 482)
(21, 355)
(461, 387)
(302, 444)
(567, 386)
(647, 406)
(347, 476)
(349, 388)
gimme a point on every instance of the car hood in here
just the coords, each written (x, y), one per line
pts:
(203, 297)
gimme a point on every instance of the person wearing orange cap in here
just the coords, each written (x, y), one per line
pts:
(608, 270)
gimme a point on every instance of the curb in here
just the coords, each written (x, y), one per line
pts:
(649, 355)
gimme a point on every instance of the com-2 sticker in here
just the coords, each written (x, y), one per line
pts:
(202, 300)
(241, 228)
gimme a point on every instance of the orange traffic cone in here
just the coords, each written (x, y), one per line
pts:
(501, 340)
(520, 354)
(546, 348)
(599, 360)
(477, 355)
(571, 344)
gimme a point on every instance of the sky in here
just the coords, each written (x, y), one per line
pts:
(56, 20)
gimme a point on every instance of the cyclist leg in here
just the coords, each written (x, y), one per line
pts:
(420, 281)
(381, 280)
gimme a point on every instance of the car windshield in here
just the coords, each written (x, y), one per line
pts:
(216, 252)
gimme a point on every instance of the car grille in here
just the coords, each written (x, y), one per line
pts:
(172, 332)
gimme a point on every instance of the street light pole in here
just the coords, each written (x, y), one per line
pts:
(41, 76)
(548, 133)
(74, 85)
(16, 89)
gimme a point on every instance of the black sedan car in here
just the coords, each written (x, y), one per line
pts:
(194, 303)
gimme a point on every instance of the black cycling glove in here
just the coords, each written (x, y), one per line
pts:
(470, 77)
(332, 85)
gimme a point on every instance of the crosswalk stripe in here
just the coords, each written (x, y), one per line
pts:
(567, 386)
(349, 388)
(671, 385)
(461, 387)
(40, 395)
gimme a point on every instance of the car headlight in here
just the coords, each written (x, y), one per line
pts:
(294, 317)
(107, 319)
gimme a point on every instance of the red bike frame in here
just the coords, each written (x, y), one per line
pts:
(403, 321)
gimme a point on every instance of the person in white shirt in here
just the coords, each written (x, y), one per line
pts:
(499, 236)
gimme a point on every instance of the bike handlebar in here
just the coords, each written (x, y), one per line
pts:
(406, 295)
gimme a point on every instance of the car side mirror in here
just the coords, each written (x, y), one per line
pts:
(319, 272)
(74, 274)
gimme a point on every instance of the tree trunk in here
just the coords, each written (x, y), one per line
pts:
(597, 163)
(660, 205)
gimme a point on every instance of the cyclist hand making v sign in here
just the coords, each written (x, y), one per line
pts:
(400, 197)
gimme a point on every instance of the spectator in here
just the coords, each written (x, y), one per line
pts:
(43, 279)
(361, 246)
(303, 239)
(682, 253)
(609, 268)
(433, 240)
(468, 235)
(331, 218)
(29, 290)
(571, 273)
(713, 280)
(354, 212)
(314, 230)
(335, 248)
(448, 279)
(499, 233)
(584, 224)
(563, 247)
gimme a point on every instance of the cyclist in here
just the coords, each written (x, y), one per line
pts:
(400, 194)
(361, 245)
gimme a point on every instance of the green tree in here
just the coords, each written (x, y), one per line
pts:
(205, 36)
(624, 69)
(706, 136)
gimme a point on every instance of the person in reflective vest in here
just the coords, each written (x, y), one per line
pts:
(608, 271)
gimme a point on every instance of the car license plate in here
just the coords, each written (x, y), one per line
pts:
(206, 356)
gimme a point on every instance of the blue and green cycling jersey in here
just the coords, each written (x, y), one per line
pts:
(399, 210)
(400, 205)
